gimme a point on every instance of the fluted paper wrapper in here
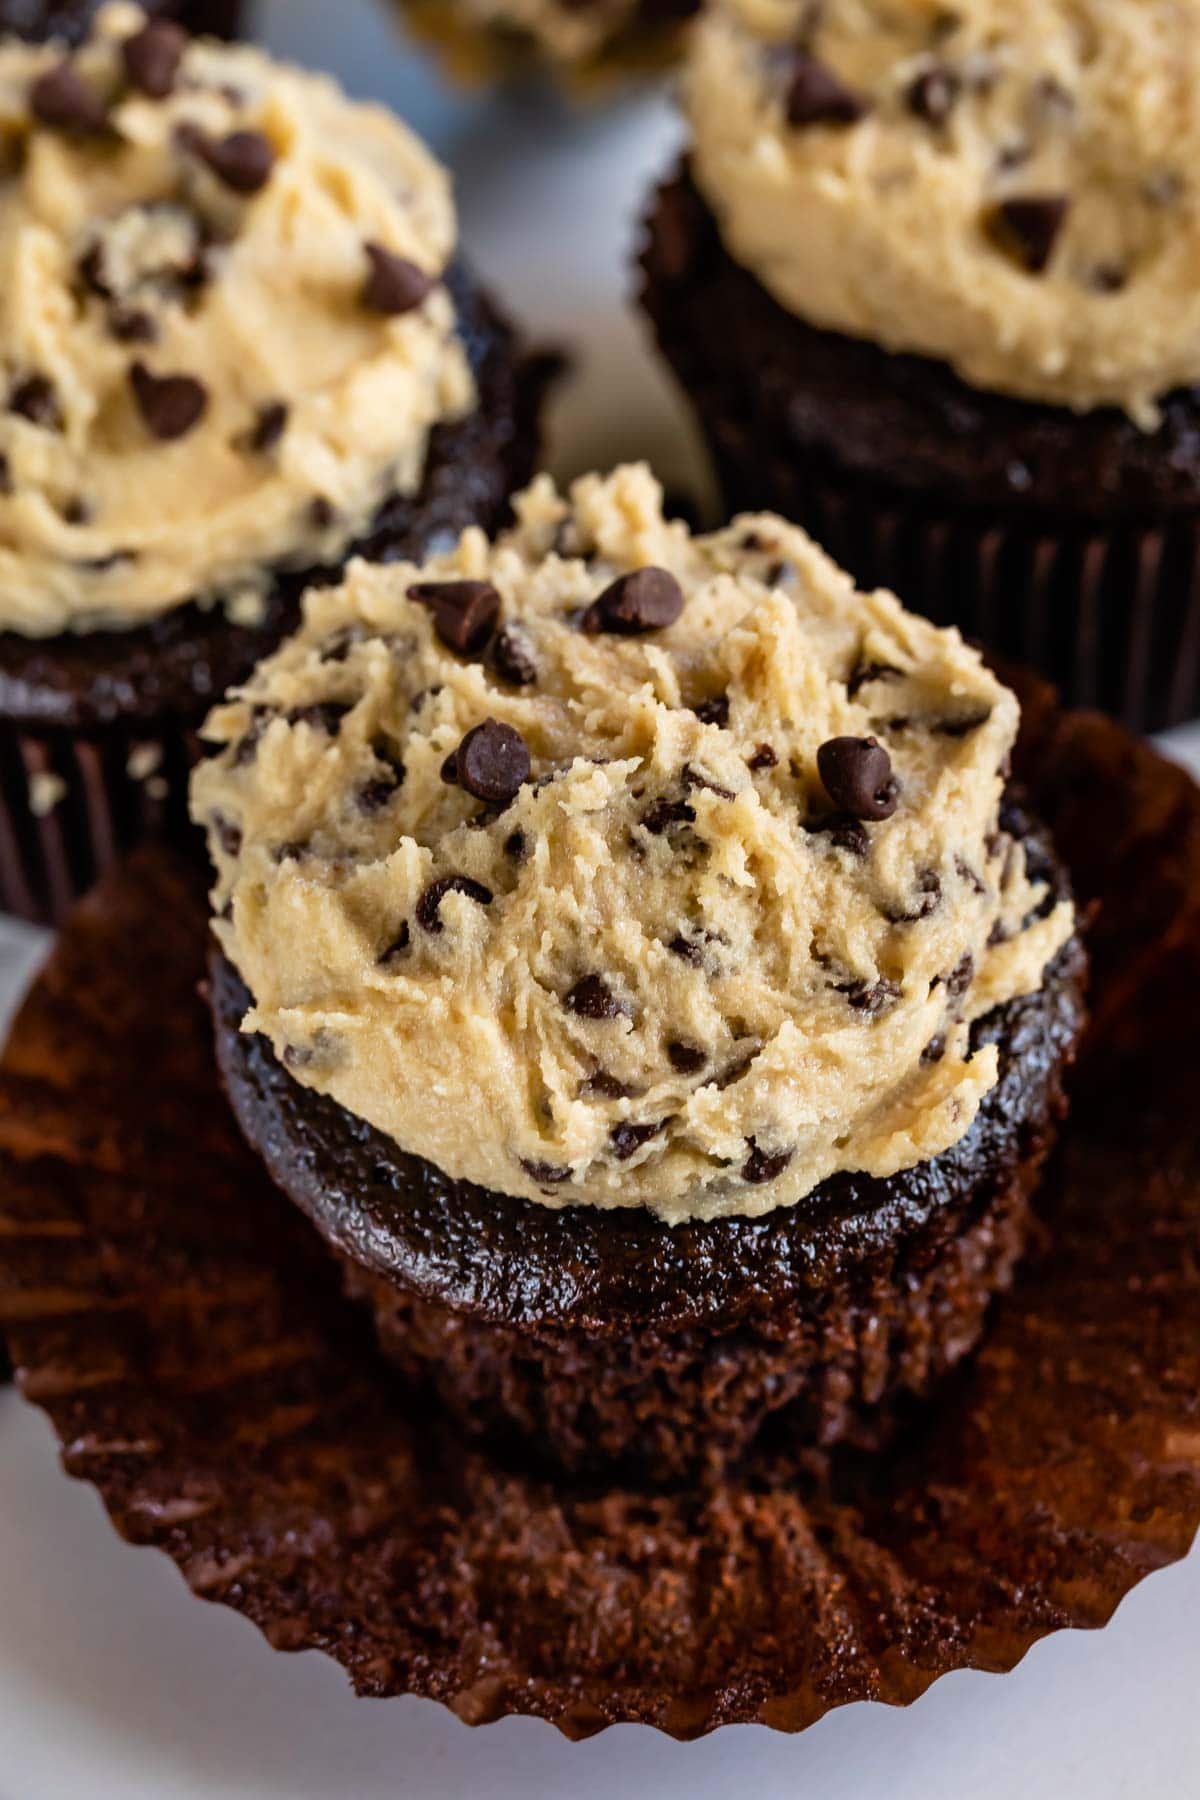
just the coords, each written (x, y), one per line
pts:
(182, 1327)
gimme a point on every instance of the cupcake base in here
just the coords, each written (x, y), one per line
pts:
(601, 1340)
(98, 731)
(181, 1324)
(1069, 544)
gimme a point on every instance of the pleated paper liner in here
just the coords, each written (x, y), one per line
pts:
(181, 1326)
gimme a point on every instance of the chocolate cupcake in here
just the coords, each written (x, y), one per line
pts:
(630, 958)
(583, 41)
(237, 348)
(929, 280)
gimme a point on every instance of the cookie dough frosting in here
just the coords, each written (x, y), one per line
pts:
(222, 333)
(571, 33)
(566, 861)
(1010, 186)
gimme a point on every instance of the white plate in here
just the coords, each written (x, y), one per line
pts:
(114, 1682)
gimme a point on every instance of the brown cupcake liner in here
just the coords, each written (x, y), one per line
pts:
(1110, 615)
(181, 1324)
(71, 804)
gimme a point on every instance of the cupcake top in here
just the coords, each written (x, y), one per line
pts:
(612, 865)
(223, 336)
(1010, 186)
(573, 34)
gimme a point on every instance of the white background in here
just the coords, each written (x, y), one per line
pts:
(114, 1683)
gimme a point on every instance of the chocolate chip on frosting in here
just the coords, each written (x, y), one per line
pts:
(765, 1165)
(513, 656)
(933, 93)
(394, 285)
(1028, 225)
(684, 1058)
(646, 600)
(429, 905)
(815, 96)
(34, 398)
(492, 762)
(242, 160)
(857, 776)
(714, 711)
(626, 1138)
(171, 405)
(660, 815)
(270, 423)
(153, 57)
(592, 998)
(464, 612)
(63, 100)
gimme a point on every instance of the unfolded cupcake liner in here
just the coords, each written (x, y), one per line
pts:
(182, 1325)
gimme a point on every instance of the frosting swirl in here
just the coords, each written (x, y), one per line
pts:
(223, 335)
(1010, 187)
(611, 865)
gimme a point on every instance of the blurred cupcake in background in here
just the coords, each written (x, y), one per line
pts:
(70, 19)
(931, 279)
(584, 41)
(237, 348)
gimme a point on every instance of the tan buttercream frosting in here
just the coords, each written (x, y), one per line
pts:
(572, 37)
(668, 973)
(905, 219)
(123, 244)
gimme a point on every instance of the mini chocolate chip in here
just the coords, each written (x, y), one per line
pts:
(171, 405)
(929, 896)
(713, 712)
(428, 915)
(76, 510)
(513, 656)
(869, 999)
(514, 845)
(646, 600)
(933, 94)
(270, 423)
(815, 96)
(844, 833)
(934, 1050)
(763, 757)
(603, 1086)
(464, 612)
(763, 1165)
(152, 57)
(493, 762)
(686, 951)
(961, 727)
(684, 1058)
(1108, 278)
(132, 325)
(34, 398)
(375, 795)
(662, 814)
(857, 775)
(63, 100)
(393, 284)
(693, 779)
(548, 1174)
(865, 673)
(227, 834)
(397, 946)
(961, 976)
(242, 161)
(627, 1138)
(592, 998)
(322, 513)
(1028, 225)
(321, 715)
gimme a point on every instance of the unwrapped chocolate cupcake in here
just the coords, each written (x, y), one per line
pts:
(236, 345)
(582, 40)
(632, 958)
(930, 279)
